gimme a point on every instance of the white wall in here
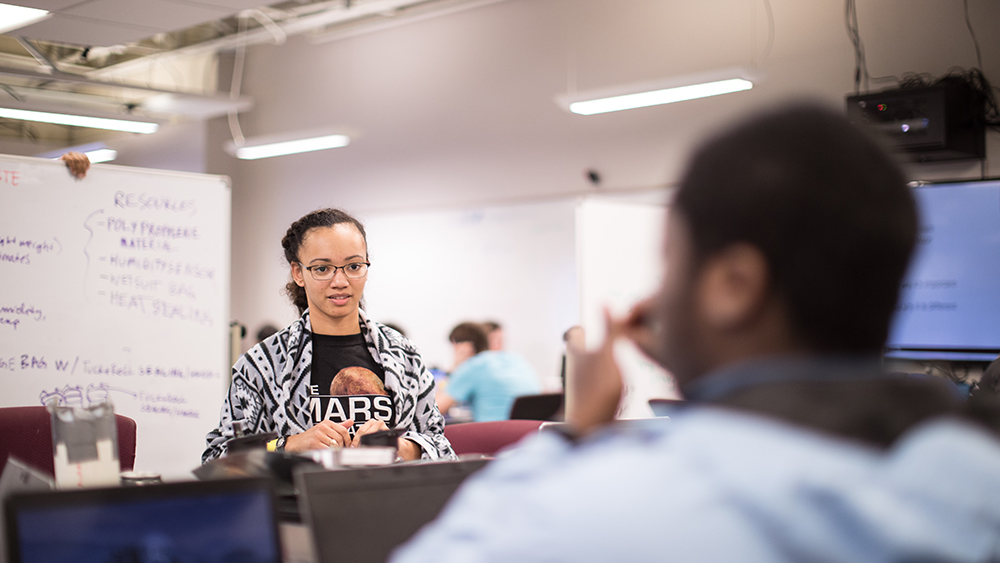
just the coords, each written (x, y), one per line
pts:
(511, 264)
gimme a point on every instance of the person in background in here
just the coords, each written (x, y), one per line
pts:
(291, 382)
(494, 335)
(488, 380)
(266, 331)
(574, 340)
(787, 242)
(396, 327)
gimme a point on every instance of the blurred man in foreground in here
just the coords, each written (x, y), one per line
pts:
(786, 246)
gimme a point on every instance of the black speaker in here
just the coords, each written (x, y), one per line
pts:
(940, 122)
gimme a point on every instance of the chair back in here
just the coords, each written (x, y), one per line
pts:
(488, 438)
(26, 433)
(545, 406)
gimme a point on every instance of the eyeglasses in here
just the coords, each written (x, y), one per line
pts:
(325, 272)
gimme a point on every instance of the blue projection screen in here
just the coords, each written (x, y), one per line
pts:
(949, 307)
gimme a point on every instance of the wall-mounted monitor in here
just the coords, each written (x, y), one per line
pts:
(949, 307)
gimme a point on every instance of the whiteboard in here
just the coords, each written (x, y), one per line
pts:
(611, 233)
(117, 286)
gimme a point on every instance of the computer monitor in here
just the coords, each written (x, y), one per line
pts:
(210, 521)
(949, 306)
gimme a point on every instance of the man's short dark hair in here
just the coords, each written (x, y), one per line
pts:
(490, 326)
(470, 332)
(828, 208)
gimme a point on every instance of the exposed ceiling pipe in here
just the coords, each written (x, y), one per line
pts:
(334, 14)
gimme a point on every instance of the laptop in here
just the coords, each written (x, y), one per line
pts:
(19, 477)
(361, 515)
(225, 520)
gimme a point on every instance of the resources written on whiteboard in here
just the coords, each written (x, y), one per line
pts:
(12, 316)
(131, 263)
(19, 250)
(168, 404)
(76, 365)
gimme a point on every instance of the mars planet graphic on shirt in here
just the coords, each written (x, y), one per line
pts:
(356, 381)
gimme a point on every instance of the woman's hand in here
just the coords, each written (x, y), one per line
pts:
(326, 434)
(406, 449)
(372, 426)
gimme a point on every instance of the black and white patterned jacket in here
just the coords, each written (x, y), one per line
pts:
(270, 388)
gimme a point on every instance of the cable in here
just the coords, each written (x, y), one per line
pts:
(968, 23)
(12, 93)
(267, 23)
(770, 34)
(237, 83)
(22, 128)
(860, 65)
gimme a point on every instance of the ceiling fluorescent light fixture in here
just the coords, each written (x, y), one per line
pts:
(80, 120)
(101, 155)
(252, 150)
(14, 17)
(97, 152)
(668, 91)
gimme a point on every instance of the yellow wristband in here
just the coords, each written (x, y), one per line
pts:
(272, 445)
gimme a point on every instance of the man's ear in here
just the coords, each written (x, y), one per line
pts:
(297, 274)
(733, 286)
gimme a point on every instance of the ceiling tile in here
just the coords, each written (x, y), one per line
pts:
(85, 31)
(156, 14)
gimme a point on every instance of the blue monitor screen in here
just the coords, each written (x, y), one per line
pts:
(949, 307)
(226, 527)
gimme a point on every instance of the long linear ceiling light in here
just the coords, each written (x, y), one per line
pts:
(80, 120)
(252, 151)
(666, 91)
(97, 152)
(101, 155)
(14, 17)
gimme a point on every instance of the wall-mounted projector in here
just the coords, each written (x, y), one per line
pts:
(940, 122)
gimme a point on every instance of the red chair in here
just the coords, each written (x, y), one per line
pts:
(26, 433)
(488, 438)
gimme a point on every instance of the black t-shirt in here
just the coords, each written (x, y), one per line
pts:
(360, 375)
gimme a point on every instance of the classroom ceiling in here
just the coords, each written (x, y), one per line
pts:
(96, 56)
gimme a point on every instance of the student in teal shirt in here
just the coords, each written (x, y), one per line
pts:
(488, 380)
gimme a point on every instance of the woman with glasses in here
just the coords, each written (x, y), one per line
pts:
(333, 375)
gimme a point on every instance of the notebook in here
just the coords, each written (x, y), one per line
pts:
(225, 520)
(361, 515)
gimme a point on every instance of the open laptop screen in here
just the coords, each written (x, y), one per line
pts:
(361, 515)
(212, 521)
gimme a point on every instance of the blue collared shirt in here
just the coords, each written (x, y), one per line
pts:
(720, 485)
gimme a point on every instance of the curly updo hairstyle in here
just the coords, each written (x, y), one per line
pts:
(292, 242)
